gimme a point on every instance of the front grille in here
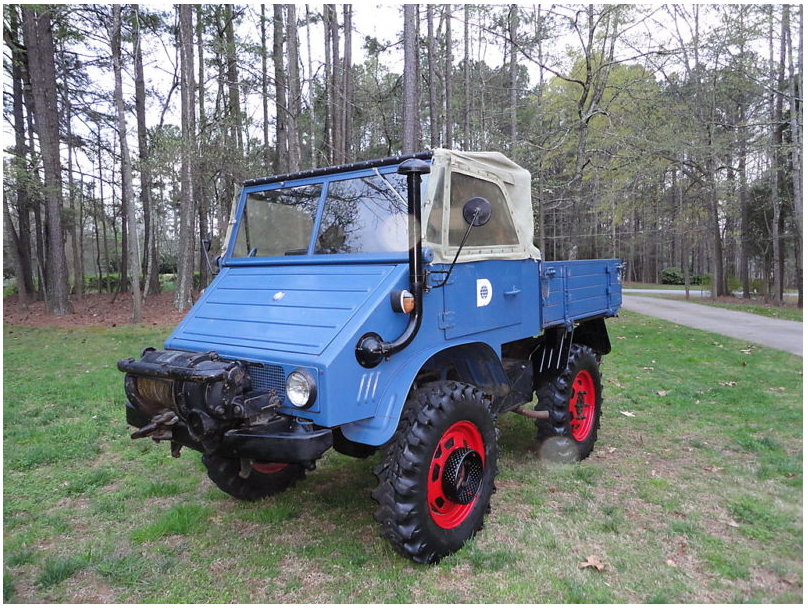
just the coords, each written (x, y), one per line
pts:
(268, 377)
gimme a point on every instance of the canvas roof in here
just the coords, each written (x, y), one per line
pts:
(494, 167)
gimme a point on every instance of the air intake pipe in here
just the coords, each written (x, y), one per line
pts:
(372, 349)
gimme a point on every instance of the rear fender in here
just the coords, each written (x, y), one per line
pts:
(593, 333)
(474, 363)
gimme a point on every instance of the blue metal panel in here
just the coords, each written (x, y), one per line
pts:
(254, 312)
(489, 295)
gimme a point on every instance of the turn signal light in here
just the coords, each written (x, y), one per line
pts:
(402, 301)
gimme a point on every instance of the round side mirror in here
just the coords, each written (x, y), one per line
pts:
(479, 207)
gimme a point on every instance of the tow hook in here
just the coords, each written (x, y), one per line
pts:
(159, 428)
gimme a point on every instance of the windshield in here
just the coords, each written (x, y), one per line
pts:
(360, 215)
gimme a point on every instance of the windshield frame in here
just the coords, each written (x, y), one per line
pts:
(309, 258)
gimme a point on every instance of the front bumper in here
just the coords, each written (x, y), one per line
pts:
(283, 439)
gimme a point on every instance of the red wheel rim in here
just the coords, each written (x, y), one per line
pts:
(582, 405)
(268, 467)
(446, 512)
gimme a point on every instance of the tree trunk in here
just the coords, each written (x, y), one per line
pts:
(776, 160)
(434, 127)
(200, 175)
(410, 97)
(25, 282)
(150, 264)
(347, 85)
(265, 90)
(337, 128)
(328, 86)
(466, 82)
(281, 108)
(312, 120)
(744, 201)
(127, 190)
(448, 80)
(795, 124)
(294, 88)
(513, 26)
(185, 252)
(234, 103)
(76, 219)
(39, 41)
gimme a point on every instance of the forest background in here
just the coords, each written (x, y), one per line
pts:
(668, 136)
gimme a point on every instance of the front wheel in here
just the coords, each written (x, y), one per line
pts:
(437, 475)
(264, 479)
(574, 400)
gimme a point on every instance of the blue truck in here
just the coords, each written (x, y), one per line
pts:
(396, 306)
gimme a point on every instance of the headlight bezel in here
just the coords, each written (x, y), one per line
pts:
(311, 384)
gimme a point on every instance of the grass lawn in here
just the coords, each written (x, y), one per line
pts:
(693, 493)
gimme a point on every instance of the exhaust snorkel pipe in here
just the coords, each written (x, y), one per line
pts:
(371, 349)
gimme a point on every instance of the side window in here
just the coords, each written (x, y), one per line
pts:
(435, 223)
(499, 231)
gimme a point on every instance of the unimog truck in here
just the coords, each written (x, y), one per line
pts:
(396, 306)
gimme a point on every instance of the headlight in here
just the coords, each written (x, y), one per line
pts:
(301, 389)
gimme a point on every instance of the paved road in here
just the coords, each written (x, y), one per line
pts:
(760, 330)
(702, 292)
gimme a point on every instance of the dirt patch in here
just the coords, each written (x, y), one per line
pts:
(96, 310)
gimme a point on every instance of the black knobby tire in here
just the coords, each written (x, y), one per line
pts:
(224, 472)
(423, 521)
(568, 395)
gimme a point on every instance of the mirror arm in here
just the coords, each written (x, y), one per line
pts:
(459, 248)
(206, 248)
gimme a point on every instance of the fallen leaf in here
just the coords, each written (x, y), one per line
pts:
(713, 468)
(611, 449)
(627, 413)
(728, 383)
(671, 563)
(593, 561)
(621, 337)
(648, 368)
(746, 351)
(663, 392)
(732, 523)
(777, 389)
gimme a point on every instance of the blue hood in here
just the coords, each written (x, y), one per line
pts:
(253, 313)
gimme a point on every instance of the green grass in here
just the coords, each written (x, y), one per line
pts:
(697, 498)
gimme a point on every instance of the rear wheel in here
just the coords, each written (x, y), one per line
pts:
(574, 401)
(437, 475)
(264, 479)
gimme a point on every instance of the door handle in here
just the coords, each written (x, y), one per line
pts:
(513, 292)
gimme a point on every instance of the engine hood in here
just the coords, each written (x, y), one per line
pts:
(264, 313)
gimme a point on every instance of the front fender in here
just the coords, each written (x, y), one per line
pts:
(379, 429)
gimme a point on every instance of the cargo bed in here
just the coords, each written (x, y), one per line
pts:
(577, 290)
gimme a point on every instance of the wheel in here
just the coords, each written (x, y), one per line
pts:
(265, 478)
(574, 400)
(437, 474)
